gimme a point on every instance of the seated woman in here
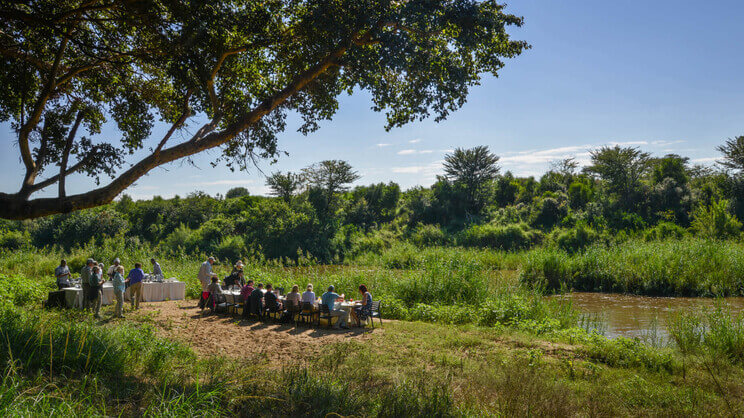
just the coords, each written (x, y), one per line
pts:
(236, 277)
(361, 313)
(293, 298)
(308, 295)
(62, 273)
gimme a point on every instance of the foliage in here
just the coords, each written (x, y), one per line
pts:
(505, 238)
(715, 222)
(733, 153)
(474, 169)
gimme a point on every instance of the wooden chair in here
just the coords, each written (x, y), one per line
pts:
(307, 312)
(293, 310)
(217, 303)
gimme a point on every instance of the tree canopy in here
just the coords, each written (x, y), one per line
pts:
(221, 74)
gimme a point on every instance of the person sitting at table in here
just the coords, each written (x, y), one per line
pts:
(156, 270)
(95, 294)
(329, 299)
(85, 281)
(294, 296)
(118, 282)
(205, 277)
(308, 295)
(134, 278)
(245, 295)
(214, 288)
(112, 270)
(236, 275)
(271, 301)
(62, 273)
(256, 299)
(361, 313)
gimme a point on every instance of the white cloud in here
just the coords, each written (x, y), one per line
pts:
(219, 183)
(705, 160)
(383, 145)
(428, 171)
(665, 143)
(413, 151)
(628, 143)
(415, 141)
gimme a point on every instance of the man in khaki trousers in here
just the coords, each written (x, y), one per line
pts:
(134, 278)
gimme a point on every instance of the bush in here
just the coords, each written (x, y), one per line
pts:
(664, 230)
(428, 235)
(577, 238)
(231, 248)
(14, 240)
(506, 238)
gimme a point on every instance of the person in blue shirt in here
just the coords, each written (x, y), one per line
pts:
(329, 299)
(134, 278)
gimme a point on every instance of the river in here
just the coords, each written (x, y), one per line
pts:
(639, 316)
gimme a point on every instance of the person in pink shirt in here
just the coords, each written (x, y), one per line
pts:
(245, 294)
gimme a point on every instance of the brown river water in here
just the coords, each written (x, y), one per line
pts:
(640, 316)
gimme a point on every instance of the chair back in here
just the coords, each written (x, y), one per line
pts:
(220, 298)
(375, 306)
(324, 309)
(307, 307)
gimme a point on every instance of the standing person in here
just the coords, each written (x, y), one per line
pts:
(134, 278)
(112, 270)
(205, 277)
(62, 273)
(95, 291)
(85, 281)
(361, 313)
(118, 281)
(156, 270)
(329, 299)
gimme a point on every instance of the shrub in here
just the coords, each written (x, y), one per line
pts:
(428, 235)
(231, 248)
(506, 238)
(14, 240)
(577, 238)
(664, 230)
(715, 221)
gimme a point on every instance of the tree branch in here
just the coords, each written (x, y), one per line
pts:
(14, 206)
(186, 113)
(66, 153)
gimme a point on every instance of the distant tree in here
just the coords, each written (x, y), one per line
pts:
(579, 195)
(506, 190)
(733, 153)
(670, 166)
(567, 166)
(284, 185)
(237, 192)
(622, 170)
(474, 169)
(715, 221)
(222, 75)
(331, 176)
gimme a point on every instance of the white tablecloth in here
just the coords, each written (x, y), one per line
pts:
(74, 296)
(160, 291)
(233, 297)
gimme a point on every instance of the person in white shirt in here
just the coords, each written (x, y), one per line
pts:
(308, 295)
(205, 278)
(156, 270)
(113, 268)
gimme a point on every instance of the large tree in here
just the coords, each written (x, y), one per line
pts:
(472, 170)
(221, 74)
(733, 154)
(622, 169)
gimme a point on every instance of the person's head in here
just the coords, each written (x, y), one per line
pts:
(362, 289)
(310, 288)
(331, 288)
(239, 265)
(120, 269)
(63, 262)
(214, 279)
(117, 261)
(211, 260)
(295, 289)
(138, 265)
(249, 283)
(268, 286)
(152, 261)
(260, 286)
(89, 262)
(96, 269)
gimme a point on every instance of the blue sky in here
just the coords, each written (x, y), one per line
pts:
(666, 76)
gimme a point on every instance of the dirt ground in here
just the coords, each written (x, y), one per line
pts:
(230, 335)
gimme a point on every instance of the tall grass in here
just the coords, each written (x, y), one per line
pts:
(687, 267)
(717, 332)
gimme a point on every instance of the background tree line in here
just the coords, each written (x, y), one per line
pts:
(315, 214)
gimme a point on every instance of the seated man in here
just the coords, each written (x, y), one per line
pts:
(62, 273)
(271, 302)
(329, 299)
(256, 299)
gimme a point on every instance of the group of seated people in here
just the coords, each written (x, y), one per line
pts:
(259, 299)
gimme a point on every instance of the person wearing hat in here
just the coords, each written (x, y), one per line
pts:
(134, 278)
(236, 277)
(329, 299)
(85, 273)
(112, 270)
(205, 278)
